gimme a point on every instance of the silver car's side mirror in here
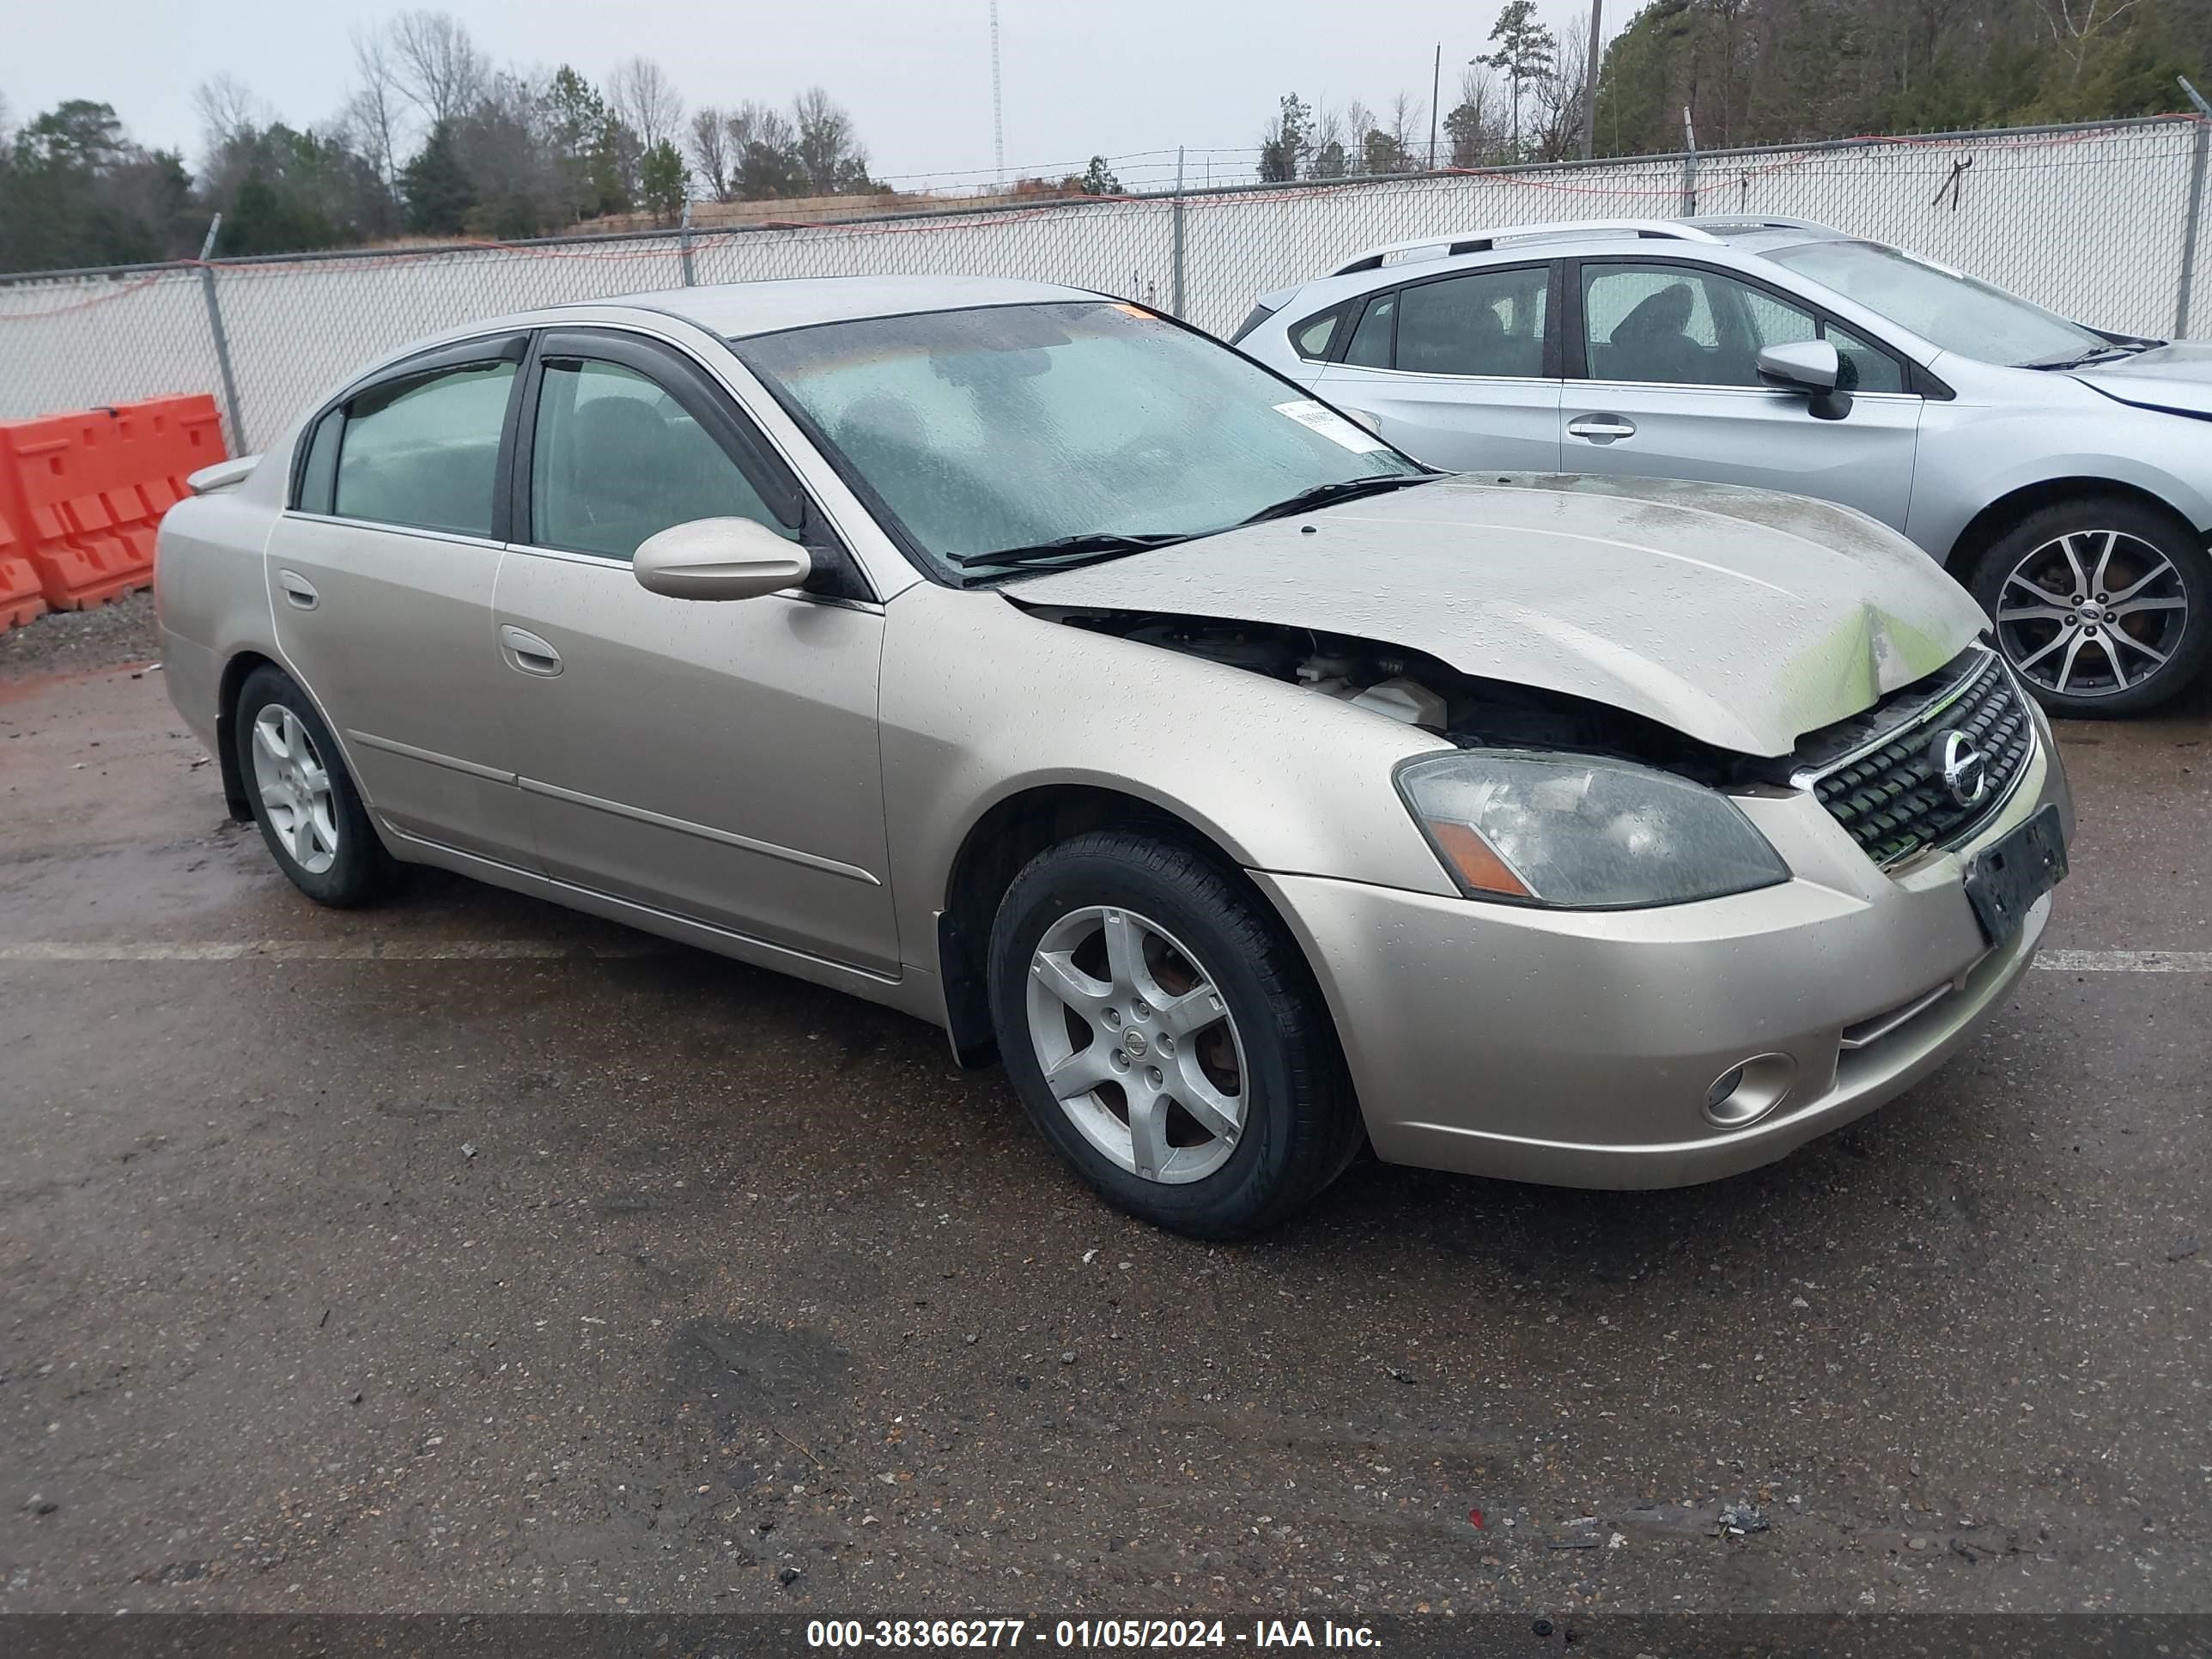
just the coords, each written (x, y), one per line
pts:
(720, 559)
(1810, 366)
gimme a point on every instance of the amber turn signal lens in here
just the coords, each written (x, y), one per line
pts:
(1478, 867)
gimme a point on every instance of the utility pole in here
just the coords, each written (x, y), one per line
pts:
(998, 112)
(1590, 80)
(1435, 87)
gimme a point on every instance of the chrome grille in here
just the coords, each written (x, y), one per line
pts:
(1889, 790)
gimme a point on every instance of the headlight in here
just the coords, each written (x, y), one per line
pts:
(1577, 833)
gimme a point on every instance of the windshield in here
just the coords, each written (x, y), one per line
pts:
(1056, 430)
(1953, 311)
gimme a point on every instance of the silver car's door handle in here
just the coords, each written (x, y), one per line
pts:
(1602, 429)
(298, 590)
(526, 651)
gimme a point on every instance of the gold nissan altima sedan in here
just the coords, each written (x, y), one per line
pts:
(1037, 664)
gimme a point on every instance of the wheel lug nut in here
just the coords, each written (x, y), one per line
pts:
(1166, 1043)
(1118, 1060)
(1113, 1017)
(1153, 1076)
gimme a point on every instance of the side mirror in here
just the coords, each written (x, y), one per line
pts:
(1811, 366)
(720, 559)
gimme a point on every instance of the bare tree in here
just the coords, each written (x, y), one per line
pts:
(228, 108)
(711, 150)
(827, 148)
(764, 153)
(646, 100)
(372, 114)
(1557, 131)
(1475, 126)
(2076, 23)
(1408, 114)
(1331, 157)
(436, 66)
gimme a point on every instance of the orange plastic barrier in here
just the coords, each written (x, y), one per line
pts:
(21, 597)
(84, 493)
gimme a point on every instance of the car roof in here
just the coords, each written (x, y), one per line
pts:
(737, 309)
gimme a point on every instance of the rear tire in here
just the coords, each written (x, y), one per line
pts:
(1166, 1035)
(311, 816)
(2103, 605)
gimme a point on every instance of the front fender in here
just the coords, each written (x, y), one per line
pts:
(1973, 455)
(982, 701)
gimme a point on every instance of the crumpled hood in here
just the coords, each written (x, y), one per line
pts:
(2176, 377)
(1740, 617)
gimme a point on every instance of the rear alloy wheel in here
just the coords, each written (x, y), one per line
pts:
(2102, 607)
(310, 814)
(1166, 1036)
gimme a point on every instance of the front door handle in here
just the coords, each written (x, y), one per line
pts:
(298, 591)
(1602, 429)
(526, 651)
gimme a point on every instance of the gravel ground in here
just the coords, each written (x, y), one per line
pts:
(124, 631)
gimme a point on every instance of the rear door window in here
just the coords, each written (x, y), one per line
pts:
(1487, 322)
(423, 452)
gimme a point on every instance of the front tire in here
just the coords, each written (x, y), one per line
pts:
(2103, 605)
(311, 816)
(1167, 1037)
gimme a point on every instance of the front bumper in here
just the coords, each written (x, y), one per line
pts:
(1577, 1050)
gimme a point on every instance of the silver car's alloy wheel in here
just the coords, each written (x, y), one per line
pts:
(1136, 1044)
(2091, 613)
(294, 786)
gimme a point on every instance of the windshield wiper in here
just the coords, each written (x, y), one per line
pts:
(1066, 552)
(1344, 490)
(2103, 354)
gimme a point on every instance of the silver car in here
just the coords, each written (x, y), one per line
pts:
(1036, 664)
(2063, 473)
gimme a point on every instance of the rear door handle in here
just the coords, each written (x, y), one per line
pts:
(526, 651)
(1602, 429)
(298, 590)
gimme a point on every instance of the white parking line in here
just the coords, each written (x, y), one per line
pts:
(2126, 962)
(317, 950)
(506, 950)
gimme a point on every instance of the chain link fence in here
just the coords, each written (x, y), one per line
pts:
(2106, 222)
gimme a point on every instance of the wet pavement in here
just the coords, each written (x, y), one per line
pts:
(538, 1265)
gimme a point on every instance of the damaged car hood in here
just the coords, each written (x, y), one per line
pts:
(2176, 378)
(1741, 617)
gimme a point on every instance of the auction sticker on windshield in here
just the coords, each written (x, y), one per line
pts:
(1331, 425)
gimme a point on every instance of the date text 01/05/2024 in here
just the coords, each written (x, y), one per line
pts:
(1085, 1633)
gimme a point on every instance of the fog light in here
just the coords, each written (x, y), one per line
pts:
(1746, 1093)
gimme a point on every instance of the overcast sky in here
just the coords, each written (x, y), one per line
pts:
(1136, 74)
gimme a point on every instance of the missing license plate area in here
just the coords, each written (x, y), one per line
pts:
(2007, 878)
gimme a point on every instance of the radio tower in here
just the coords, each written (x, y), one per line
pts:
(998, 119)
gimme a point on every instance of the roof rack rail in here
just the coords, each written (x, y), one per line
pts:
(1761, 222)
(1481, 241)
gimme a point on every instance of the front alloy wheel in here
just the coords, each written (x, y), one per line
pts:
(2100, 605)
(1136, 1044)
(1166, 1035)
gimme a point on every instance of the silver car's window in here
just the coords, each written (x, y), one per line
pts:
(1488, 322)
(1771, 322)
(1012, 426)
(1678, 326)
(1370, 341)
(615, 459)
(1311, 339)
(1953, 311)
(425, 453)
